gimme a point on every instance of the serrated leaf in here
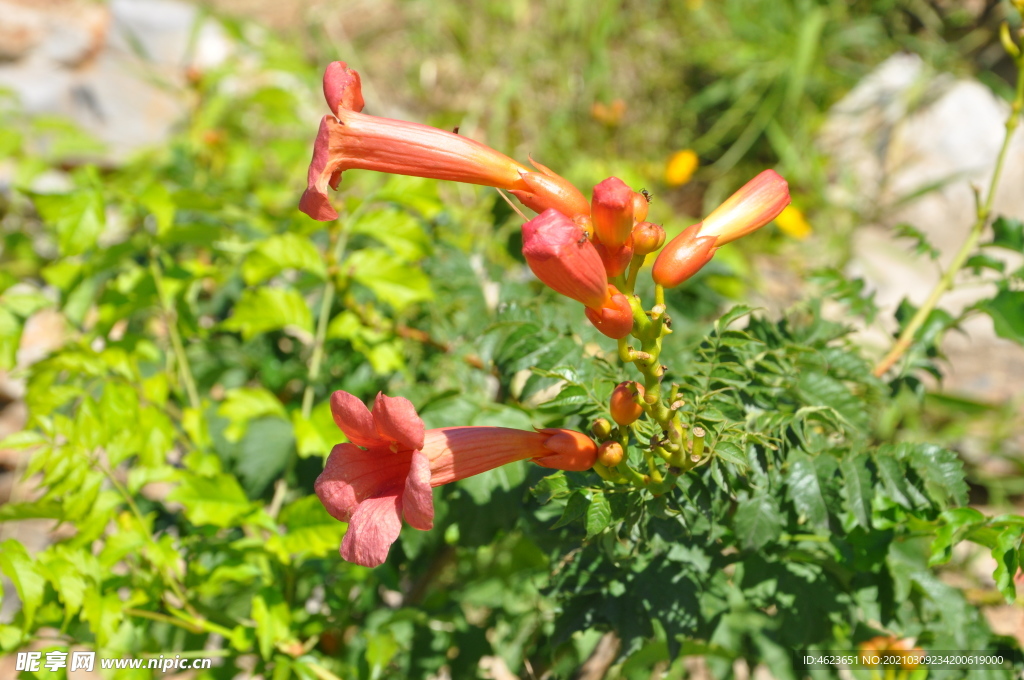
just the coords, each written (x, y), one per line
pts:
(1007, 312)
(18, 566)
(1008, 233)
(552, 486)
(954, 524)
(805, 490)
(858, 489)
(277, 253)
(217, 501)
(575, 508)
(1007, 558)
(758, 521)
(599, 515)
(891, 473)
(942, 472)
(269, 309)
(570, 395)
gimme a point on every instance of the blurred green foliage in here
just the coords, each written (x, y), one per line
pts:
(177, 431)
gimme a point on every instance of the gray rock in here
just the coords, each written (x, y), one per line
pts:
(908, 145)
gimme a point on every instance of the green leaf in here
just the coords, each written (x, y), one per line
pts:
(552, 486)
(277, 253)
(805, 490)
(1008, 233)
(104, 613)
(954, 525)
(575, 508)
(269, 309)
(1007, 312)
(18, 566)
(891, 473)
(599, 515)
(857, 488)
(758, 521)
(942, 472)
(78, 218)
(570, 395)
(397, 229)
(982, 261)
(922, 246)
(1007, 561)
(244, 404)
(157, 199)
(394, 282)
(273, 620)
(218, 501)
(10, 339)
(309, 530)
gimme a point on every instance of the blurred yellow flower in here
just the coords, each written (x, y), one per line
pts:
(694, 4)
(681, 167)
(793, 223)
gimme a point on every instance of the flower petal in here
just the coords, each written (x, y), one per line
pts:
(314, 199)
(418, 498)
(342, 88)
(375, 525)
(352, 475)
(395, 419)
(354, 419)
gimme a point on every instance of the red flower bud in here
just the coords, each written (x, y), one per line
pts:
(683, 257)
(623, 404)
(757, 203)
(647, 238)
(640, 204)
(558, 252)
(615, 318)
(615, 260)
(612, 212)
(609, 454)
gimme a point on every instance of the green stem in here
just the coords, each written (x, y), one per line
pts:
(906, 338)
(171, 321)
(339, 238)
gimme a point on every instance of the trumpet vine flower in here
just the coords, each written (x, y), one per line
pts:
(351, 140)
(386, 470)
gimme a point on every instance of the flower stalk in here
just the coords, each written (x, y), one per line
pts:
(909, 333)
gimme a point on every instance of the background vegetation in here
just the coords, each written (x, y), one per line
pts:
(176, 431)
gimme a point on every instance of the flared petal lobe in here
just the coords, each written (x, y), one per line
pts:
(396, 420)
(353, 418)
(417, 499)
(561, 256)
(375, 525)
(343, 89)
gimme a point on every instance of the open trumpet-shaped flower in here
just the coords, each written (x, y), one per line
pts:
(386, 470)
(353, 140)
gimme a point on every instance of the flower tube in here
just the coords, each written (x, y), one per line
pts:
(352, 140)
